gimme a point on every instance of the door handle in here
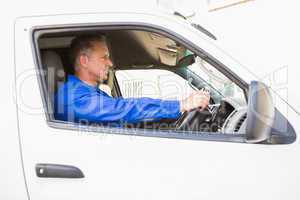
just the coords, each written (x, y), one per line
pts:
(45, 170)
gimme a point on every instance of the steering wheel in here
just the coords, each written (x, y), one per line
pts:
(194, 120)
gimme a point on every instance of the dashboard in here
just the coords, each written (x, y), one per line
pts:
(228, 117)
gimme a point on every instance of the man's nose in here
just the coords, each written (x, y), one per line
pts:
(109, 63)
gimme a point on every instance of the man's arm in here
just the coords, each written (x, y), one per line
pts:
(99, 108)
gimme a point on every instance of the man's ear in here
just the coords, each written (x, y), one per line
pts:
(83, 60)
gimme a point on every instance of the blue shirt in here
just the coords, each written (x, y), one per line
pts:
(79, 102)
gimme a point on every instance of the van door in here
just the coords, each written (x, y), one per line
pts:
(72, 162)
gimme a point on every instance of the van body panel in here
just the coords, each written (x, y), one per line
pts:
(117, 166)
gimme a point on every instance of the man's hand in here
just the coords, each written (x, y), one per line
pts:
(198, 99)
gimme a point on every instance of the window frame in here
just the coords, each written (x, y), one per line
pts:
(37, 32)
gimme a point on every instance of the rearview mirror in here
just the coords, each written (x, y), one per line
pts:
(260, 114)
(186, 61)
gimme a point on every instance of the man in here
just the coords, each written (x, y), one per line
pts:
(80, 98)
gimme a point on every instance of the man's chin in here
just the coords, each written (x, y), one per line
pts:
(101, 79)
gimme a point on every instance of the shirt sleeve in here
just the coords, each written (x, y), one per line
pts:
(100, 108)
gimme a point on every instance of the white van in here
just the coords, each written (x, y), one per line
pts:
(241, 147)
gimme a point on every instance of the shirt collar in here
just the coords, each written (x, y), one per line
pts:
(74, 79)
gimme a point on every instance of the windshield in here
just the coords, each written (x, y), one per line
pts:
(215, 81)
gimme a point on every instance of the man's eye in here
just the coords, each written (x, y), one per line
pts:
(104, 58)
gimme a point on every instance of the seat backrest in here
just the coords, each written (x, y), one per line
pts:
(55, 74)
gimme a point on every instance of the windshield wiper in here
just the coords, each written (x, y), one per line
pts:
(196, 26)
(203, 30)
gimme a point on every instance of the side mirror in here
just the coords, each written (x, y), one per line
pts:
(260, 114)
(186, 61)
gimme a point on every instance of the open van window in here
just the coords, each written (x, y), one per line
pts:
(137, 54)
(153, 64)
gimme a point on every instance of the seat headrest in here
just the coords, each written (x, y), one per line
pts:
(54, 67)
(52, 61)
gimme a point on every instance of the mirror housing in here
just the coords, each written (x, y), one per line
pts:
(260, 114)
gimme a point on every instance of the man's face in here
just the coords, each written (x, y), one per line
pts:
(98, 62)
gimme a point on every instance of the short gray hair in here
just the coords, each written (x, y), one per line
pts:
(83, 45)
